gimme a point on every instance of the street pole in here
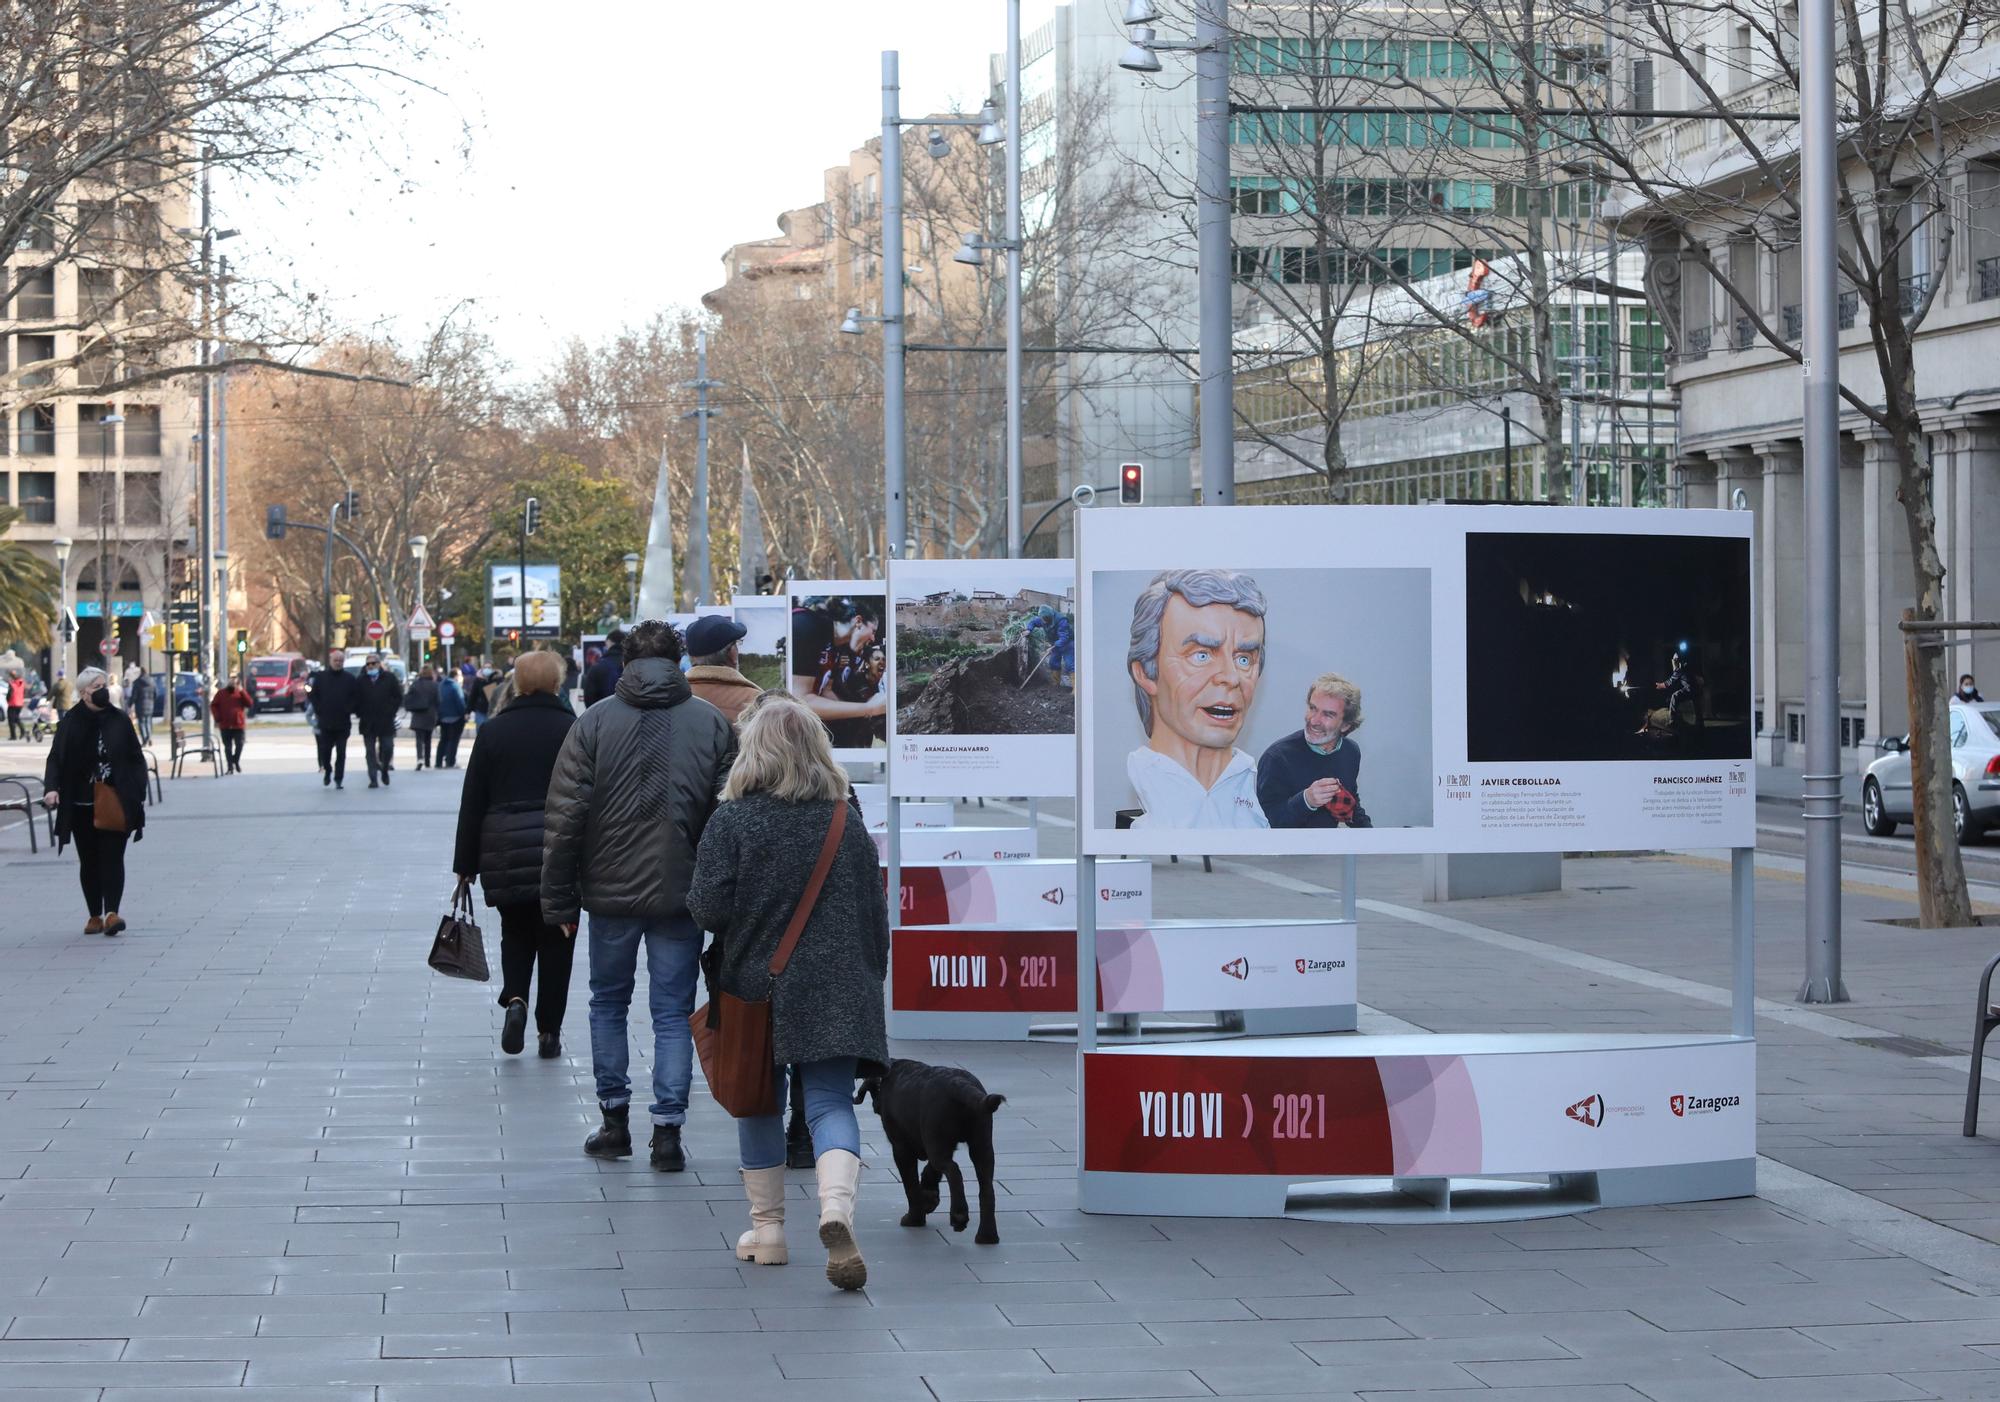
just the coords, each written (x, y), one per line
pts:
(1507, 450)
(521, 584)
(1820, 344)
(1012, 237)
(222, 469)
(326, 584)
(1213, 251)
(894, 518)
(205, 490)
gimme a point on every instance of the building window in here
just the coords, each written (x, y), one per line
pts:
(95, 438)
(96, 367)
(35, 297)
(38, 496)
(1648, 340)
(1248, 264)
(1794, 727)
(142, 430)
(1261, 194)
(96, 226)
(40, 234)
(142, 498)
(37, 434)
(96, 293)
(34, 349)
(96, 499)
(142, 293)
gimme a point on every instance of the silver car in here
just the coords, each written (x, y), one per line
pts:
(1975, 770)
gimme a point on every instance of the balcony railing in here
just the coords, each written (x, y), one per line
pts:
(1743, 334)
(36, 441)
(1850, 309)
(38, 511)
(1697, 343)
(1986, 275)
(1910, 293)
(1795, 322)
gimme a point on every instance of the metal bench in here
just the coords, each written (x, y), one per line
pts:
(1985, 1017)
(24, 792)
(199, 748)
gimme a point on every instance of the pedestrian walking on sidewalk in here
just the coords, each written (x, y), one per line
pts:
(500, 821)
(632, 793)
(139, 701)
(421, 702)
(376, 703)
(17, 698)
(95, 780)
(231, 706)
(827, 1018)
(331, 700)
(602, 678)
(451, 713)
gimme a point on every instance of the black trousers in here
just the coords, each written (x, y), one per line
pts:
(14, 730)
(525, 942)
(423, 745)
(232, 748)
(378, 747)
(100, 860)
(333, 752)
(448, 733)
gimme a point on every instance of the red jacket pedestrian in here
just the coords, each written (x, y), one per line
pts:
(231, 707)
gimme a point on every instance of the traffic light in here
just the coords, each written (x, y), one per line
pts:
(339, 638)
(180, 637)
(343, 608)
(274, 522)
(156, 637)
(242, 641)
(1131, 484)
(350, 504)
(531, 516)
(535, 611)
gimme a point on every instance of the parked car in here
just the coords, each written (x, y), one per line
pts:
(1975, 782)
(187, 695)
(279, 681)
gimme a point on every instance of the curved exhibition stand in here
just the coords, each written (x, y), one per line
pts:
(1002, 981)
(1430, 1124)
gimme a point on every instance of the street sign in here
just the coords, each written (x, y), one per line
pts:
(375, 630)
(447, 630)
(420, 617)
(108, 647)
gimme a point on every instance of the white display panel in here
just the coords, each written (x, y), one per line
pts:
(1526, 679)
(982, 666)
(960, 844)
(1037, 892)
(837, 661)
(916, 814)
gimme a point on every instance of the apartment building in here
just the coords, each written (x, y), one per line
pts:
(1740, 396)
(104, 477)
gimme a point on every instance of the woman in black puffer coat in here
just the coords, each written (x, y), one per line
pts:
(500, 843)
(95, 743)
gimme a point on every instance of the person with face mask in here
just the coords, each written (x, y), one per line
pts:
(380, 698)
(95, 780)
(330, 702)
(1968, 689)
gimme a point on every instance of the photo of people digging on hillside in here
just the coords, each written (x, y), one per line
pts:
(986, 662)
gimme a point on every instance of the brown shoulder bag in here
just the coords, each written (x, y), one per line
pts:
(732, 1036)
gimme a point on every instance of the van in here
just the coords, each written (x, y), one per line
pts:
(279, 680)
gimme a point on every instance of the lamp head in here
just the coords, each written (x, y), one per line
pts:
(937, 145)
(418, 544)
(850, 325)
(1140, 12)
(968, 252)
(631, 562)
(991, 132)
(1139, 56)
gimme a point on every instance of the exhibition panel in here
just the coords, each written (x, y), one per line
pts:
(1232, 1128)
(997, 982)
(960, 844)
(982, 666)
(1519, 679)
(915, 814)
(1035, 892)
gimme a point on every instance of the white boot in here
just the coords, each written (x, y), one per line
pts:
(839, 1178)
(764, 1243)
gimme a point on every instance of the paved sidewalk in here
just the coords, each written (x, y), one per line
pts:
(254, 1149)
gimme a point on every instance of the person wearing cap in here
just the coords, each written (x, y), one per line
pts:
(712, 649)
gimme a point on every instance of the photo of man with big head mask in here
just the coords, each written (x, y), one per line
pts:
(1196, 655)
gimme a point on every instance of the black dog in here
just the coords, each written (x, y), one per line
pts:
(927, 1112)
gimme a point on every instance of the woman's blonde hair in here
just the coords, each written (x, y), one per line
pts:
(537, 673)
(783, 750)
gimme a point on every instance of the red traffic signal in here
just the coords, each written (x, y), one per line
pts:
(1131, 484)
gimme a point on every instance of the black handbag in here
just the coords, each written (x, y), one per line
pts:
(459, 951)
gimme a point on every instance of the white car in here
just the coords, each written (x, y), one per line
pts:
(1975, 770)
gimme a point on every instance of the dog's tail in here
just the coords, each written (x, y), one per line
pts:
(868, 1086)
(994, 1102)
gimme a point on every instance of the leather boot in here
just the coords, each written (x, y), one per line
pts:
(667, 1154)
(839, 1175)
(614, 1139)
(764, 1243)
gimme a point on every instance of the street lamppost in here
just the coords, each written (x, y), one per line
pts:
(1210, 47)
(59, 635)
(418, 544)
(632, 575)
(222, 672)
(104, 498)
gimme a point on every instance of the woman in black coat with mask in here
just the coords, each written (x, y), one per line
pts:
(95, 743)
(500, 845)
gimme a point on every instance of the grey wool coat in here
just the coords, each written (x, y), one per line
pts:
(751, 869)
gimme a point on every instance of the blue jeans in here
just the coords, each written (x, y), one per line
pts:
(673, 955)
(760, 1139)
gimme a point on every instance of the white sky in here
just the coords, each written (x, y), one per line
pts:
(617, 147)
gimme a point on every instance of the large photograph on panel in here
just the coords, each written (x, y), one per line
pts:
(761, 652)
(837, 661)
(983, 665)
(1237, 699)
(1606, 647)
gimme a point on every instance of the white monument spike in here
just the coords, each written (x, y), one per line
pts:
(751, 557)
(656, 573)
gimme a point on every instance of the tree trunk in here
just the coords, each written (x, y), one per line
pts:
(1943, 902)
